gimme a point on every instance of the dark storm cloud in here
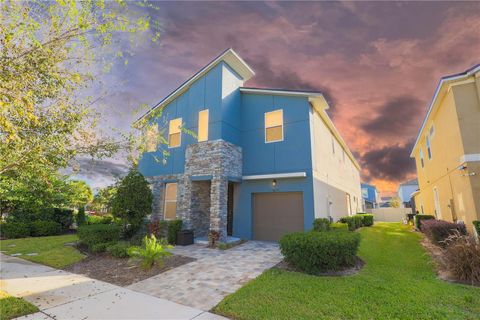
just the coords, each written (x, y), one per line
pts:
(268, 76)
(101, 169)
(397, 117)
(389, 163)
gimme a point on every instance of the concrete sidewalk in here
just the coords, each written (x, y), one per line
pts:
(63, 295)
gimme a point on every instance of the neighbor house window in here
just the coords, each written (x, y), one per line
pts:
(274, 126)
(429, 150)
(421, 158)
(432, 131)
(203, 125)
(151, 138)
(175, 133)
(170, 208)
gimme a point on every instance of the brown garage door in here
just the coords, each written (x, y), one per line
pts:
(276, 213)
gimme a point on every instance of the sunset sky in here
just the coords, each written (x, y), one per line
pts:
(378, 63)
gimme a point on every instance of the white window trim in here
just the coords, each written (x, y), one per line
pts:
(422, 159)
(165, 201)
(265, 127)
(169, 134)
(430, 131)
(208, 122)
(428, 144)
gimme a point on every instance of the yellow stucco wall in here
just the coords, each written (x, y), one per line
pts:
(456, 119)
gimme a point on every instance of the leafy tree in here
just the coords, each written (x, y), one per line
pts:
(395, 202)
(50, 55)
(133, 200)
(102, 201)
(81, 218)
(80, 193)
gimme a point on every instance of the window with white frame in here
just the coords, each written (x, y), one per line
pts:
(274, 126)
(432, 131)
(203, 125)
(429, 150)
(175, 133)
(421, 158)
(170, 207)
(151, 138)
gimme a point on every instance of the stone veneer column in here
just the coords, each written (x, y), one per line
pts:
(184, 201)
(157, 203)
(218, 206)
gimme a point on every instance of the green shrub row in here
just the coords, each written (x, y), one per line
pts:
(98, 237)
(39, 228)
(62, 216)
(357, 221)
(420, 217)
(90, 220)
(315, 252)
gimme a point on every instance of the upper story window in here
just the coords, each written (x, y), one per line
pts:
(151, 138)
(421, 158)
(274, 126)
(170, 208)
(333, 145)
(432, 131)
(429, 150)
(203, 125)
(175, 133)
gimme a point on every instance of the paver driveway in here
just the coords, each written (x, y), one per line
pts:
(216, 273)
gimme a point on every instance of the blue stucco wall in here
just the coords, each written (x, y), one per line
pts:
(371, 192)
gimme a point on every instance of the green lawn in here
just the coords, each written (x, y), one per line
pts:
(397, 282)
(51, 250)
(11, 307)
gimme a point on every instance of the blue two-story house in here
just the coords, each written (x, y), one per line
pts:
(246, 162)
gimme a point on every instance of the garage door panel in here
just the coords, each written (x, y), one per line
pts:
(275, 214)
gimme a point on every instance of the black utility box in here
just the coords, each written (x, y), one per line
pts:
(184, 237)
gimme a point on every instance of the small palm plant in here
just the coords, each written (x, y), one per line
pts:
(153, 251)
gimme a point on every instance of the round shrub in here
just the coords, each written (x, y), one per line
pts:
(315, 252)
(421, 217)
(12, 230)
(321, 224)
(438, 230)
(119, 249)
(45, 228)
(97, 234)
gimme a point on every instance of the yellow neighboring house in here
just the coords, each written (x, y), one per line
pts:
(447, 151)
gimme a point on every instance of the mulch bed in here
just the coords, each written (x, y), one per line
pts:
(122, 271)
(359, 263)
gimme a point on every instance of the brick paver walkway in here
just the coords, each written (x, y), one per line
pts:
(216, 273)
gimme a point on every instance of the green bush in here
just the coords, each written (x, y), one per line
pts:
(100, 247)
(45, 228)
(339, 226)
(351, 222)
(119, 249)
(12, 230)
(81, 219)
(98, 220)
(476, 224)
(173, 227)
(153, 251)
(321, 224)
(62, 216)
(358, 221)
(367, 219)
(419, 218)
(315, 252)
(98, 235)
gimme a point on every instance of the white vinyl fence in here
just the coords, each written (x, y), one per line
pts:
(390, 214)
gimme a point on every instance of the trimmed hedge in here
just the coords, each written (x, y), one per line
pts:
(438, 230)
(45, 228)
(81, 218)
(98, 236)
(13, 230)
(91, 220)
(476, 224)
(420, 217)
(321, 224)
(351, 222)
(367, 219)
(315, 252)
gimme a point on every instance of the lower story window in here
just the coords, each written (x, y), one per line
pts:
(170, 208)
